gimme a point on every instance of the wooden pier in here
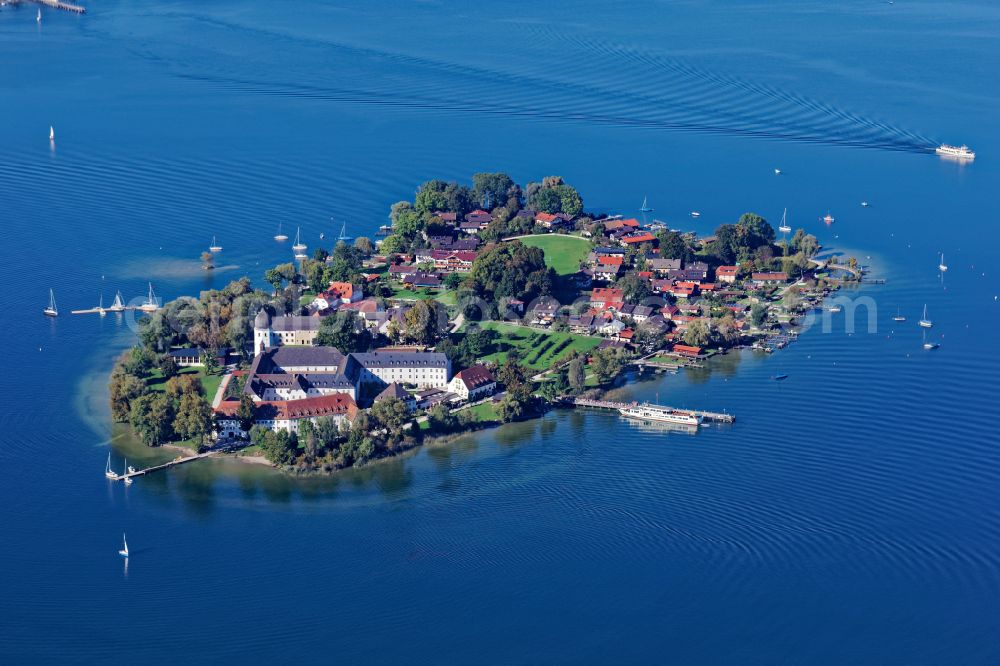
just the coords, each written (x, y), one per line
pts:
(65, 6)
(179, 460)
(711, 417)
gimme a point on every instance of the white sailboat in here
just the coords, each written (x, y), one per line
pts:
(124, 551)
(108, 472)
(125, 477)
(100, 306)
(942, 266)
(280, 236)
(924, 321)
(777, 172)
(52, 133)
(38, 19)
(299, 245)
(118, 305)
(784, 228)
(214, 247)
(343, 234)
(51, 310)
(899, 316)
(645, 206)
(149, 305)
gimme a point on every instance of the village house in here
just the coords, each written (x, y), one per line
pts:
(726, 274)
(396, 390)
(420, 280)
(637, 239)
(450, 261)
(761, 279)
(619, 225)
(194, 357)
(286, 415)
(663, 266)
(606, 298)
(480, 217)
(473, 383)
(345, 292)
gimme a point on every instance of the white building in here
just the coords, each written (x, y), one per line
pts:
(473, 383)
(285, 330)
(422, 369)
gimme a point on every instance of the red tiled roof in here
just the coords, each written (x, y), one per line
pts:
(726, 270)
(610, 259)
(687, 350)
(544, 217)
(612, 225)
(644, 237)
(324, 405)
(775, 277)
(475, 376)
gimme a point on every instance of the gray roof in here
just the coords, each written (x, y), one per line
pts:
(394, 390)
(282, 357)
(401, 360)
(262, 320)
(290, 323)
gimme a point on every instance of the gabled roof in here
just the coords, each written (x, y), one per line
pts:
(475, 377)
(394, 390)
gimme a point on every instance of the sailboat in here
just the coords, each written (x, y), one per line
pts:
(645, 206)
(100, 306)
(280, 236)
(149, 305)
(38, 19)
(777, 172)
(51, 311)
(343, 234)
(942, 266)
(214, 247)
(127, 479)
(118, 305)
(299, 245)
(898, 316)
(124, 551)
(784, 228)
(108, 472)
(924, 321)
(52, 133)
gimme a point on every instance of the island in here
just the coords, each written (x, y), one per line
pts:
(480, 305)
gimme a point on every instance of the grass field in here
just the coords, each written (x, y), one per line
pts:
(563, 253)
(484, 412)
(538, 349)
(441, 295)
(209, 383)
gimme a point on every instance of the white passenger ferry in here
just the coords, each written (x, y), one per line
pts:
(961, 152)
(650, 412)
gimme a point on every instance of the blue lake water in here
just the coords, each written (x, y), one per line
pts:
(851, 513)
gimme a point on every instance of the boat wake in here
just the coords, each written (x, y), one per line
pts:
(608, 84)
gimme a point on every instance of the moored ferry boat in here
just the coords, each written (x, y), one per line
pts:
(650, 412)
(962, 152)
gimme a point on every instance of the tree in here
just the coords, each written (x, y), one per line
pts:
(698, 333)
(124, 389)
(728, 333)
(194, 418)
(246, 412)
(509, 409)
(547, 200)
(211, 361)
(607, 363)
(725, 245)
(391, 414)
(340, 330)
(491, 190)
(754, 231)
(577, 376)
(441, 419)
(393, 244)
(152, 416)
(634, 288)
(672, 245)
(513, 270)
(364, 245)
(452, 281)
(273, 277)
(511, 374)
(181, 385)
(167, 366)
(758, 314)
(423, 321)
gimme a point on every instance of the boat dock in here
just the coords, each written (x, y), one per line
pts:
(711, 417)
(65, 6)
(179, 460)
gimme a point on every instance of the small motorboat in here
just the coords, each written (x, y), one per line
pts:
(777, 172)
(834, 308)
(864, 204)
(695, 213)
(929, 346)
(779, 377)
(828, 218)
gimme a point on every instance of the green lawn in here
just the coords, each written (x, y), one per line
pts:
(562, 253)
(209, 383)
(538, 349)
(484, 412)
(441, 295)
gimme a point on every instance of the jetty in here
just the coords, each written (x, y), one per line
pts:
(710, 417)
(179, 460)
(65, 6)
